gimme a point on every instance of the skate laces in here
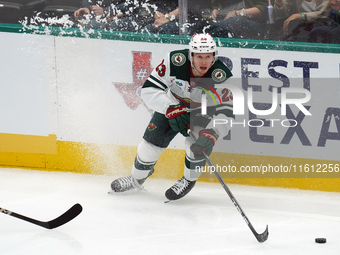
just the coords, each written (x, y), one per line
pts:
(180, 185)
(128, 181)
(125, 182)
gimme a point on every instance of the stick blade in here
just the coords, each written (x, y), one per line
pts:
(69, 215)
(263, 237)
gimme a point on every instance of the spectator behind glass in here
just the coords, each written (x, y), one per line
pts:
(328, 29)
(293, 15)
(241, 19)
(92, 13)
(138, 14)
(198, 18)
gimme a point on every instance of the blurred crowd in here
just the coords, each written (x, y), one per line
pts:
(282, 20)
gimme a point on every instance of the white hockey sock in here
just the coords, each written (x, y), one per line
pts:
(192, 174)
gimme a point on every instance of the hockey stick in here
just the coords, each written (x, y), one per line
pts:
(70, 214)
(260, 237)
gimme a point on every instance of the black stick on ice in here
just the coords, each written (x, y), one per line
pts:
(260, 237)
(70, 214)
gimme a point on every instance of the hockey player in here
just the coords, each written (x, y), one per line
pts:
(174, 92)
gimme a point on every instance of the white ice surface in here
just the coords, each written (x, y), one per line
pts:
(203, 222)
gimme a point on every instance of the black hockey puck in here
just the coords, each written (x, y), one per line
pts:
(320, 240)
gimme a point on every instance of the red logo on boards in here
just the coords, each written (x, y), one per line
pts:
(141, 67)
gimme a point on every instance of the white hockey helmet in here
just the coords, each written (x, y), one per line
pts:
(202, 43)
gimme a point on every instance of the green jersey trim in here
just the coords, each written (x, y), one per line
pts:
(154, 83)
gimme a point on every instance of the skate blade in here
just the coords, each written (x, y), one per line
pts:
(111, 192)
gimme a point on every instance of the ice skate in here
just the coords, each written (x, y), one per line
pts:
(179, 189)
(123, 184)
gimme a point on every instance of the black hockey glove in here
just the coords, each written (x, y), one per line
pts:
(179, 118)
(205, 142)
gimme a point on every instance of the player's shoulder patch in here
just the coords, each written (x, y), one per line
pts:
(219, 75)
(178, 59)
(220, 71)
